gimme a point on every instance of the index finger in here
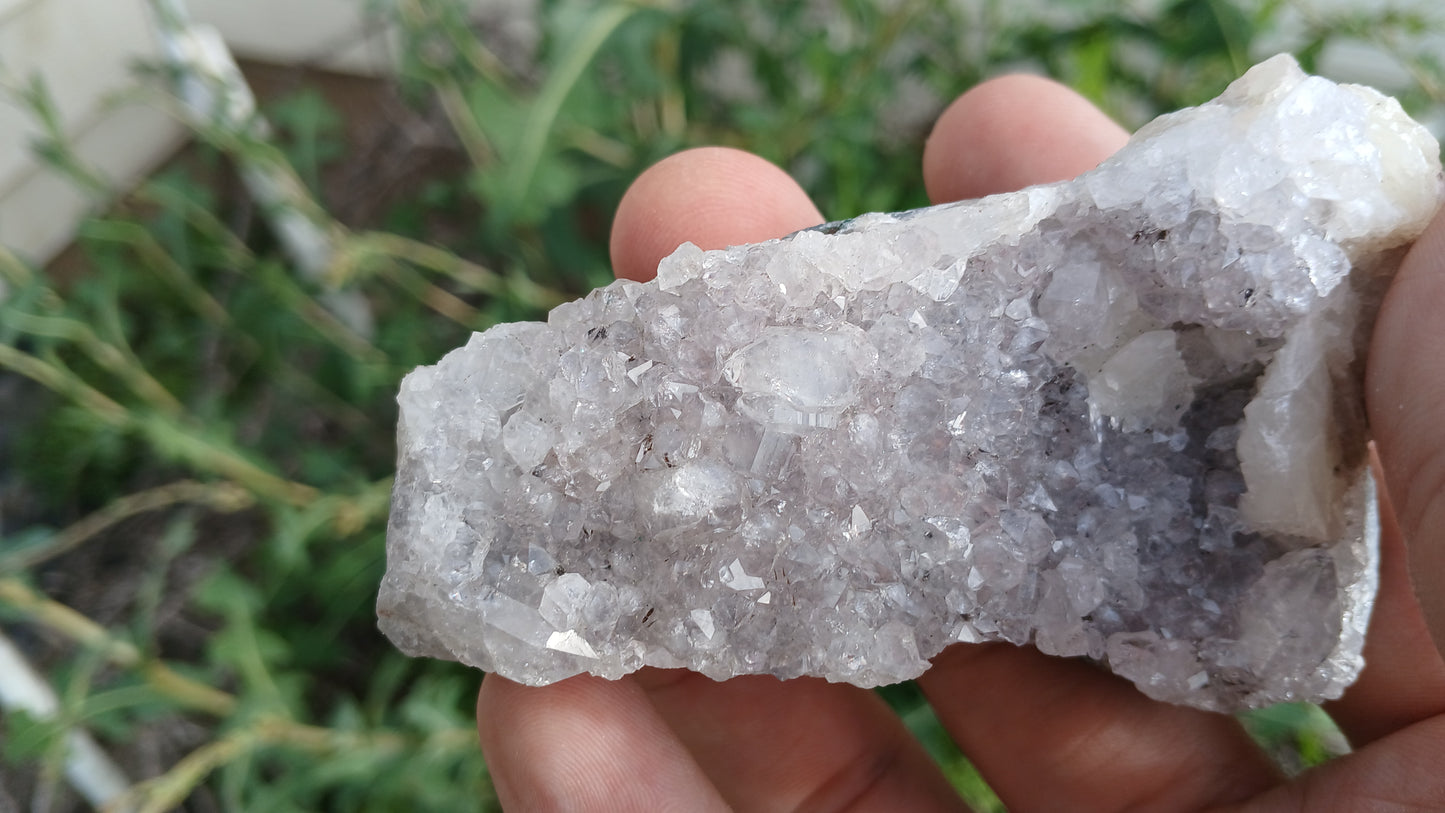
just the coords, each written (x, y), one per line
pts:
(714, 197)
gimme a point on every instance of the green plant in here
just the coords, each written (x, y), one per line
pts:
(209, 430)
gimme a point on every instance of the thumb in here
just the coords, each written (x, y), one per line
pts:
(1405, 398)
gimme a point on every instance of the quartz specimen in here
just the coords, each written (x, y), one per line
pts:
(1117, 417)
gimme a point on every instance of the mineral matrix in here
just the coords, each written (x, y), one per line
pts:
(1117, 417)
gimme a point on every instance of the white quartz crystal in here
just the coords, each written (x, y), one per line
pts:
(1118, 417)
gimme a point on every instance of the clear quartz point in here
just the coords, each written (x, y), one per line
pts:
(1118, 417)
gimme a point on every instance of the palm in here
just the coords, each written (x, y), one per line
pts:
(1048, 734)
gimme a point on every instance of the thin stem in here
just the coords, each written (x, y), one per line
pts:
(443, 302)
(168, 436)
(438, 260)
(604, 149)
(464, 123)
(61, 619)
(353, 514)
(458, 112)
(223, 497)
(154, 256)
(168, 790)
(236, 252)
(327, 324)
(110, 358)
(14, 271)
(164, 433)
(66, 383)
(53, 146)
(544, 112)
(671, 102)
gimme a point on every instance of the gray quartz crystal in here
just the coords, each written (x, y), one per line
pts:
(1118, 417)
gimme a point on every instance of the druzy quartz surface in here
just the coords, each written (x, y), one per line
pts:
(1118, 417)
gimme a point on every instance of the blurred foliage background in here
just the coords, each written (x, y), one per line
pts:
(196, 436)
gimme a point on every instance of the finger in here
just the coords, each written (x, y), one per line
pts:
(766, 744)
(800, 745)
(1404, 677)
(1049, 733)
(1405, 385)
(1054, 734)
(712, 196)
(585, 744)
(1400, 772)
(1012, 132)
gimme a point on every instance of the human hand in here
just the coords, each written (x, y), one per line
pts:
(1047, 733)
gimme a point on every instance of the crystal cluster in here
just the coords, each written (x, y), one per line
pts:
(1118, 417)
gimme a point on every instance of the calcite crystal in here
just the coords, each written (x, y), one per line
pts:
(1118, 417)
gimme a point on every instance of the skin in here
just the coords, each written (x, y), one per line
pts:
(1047, 733)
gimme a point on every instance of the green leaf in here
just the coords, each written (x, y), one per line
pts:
(28, 738)
(581, 36)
